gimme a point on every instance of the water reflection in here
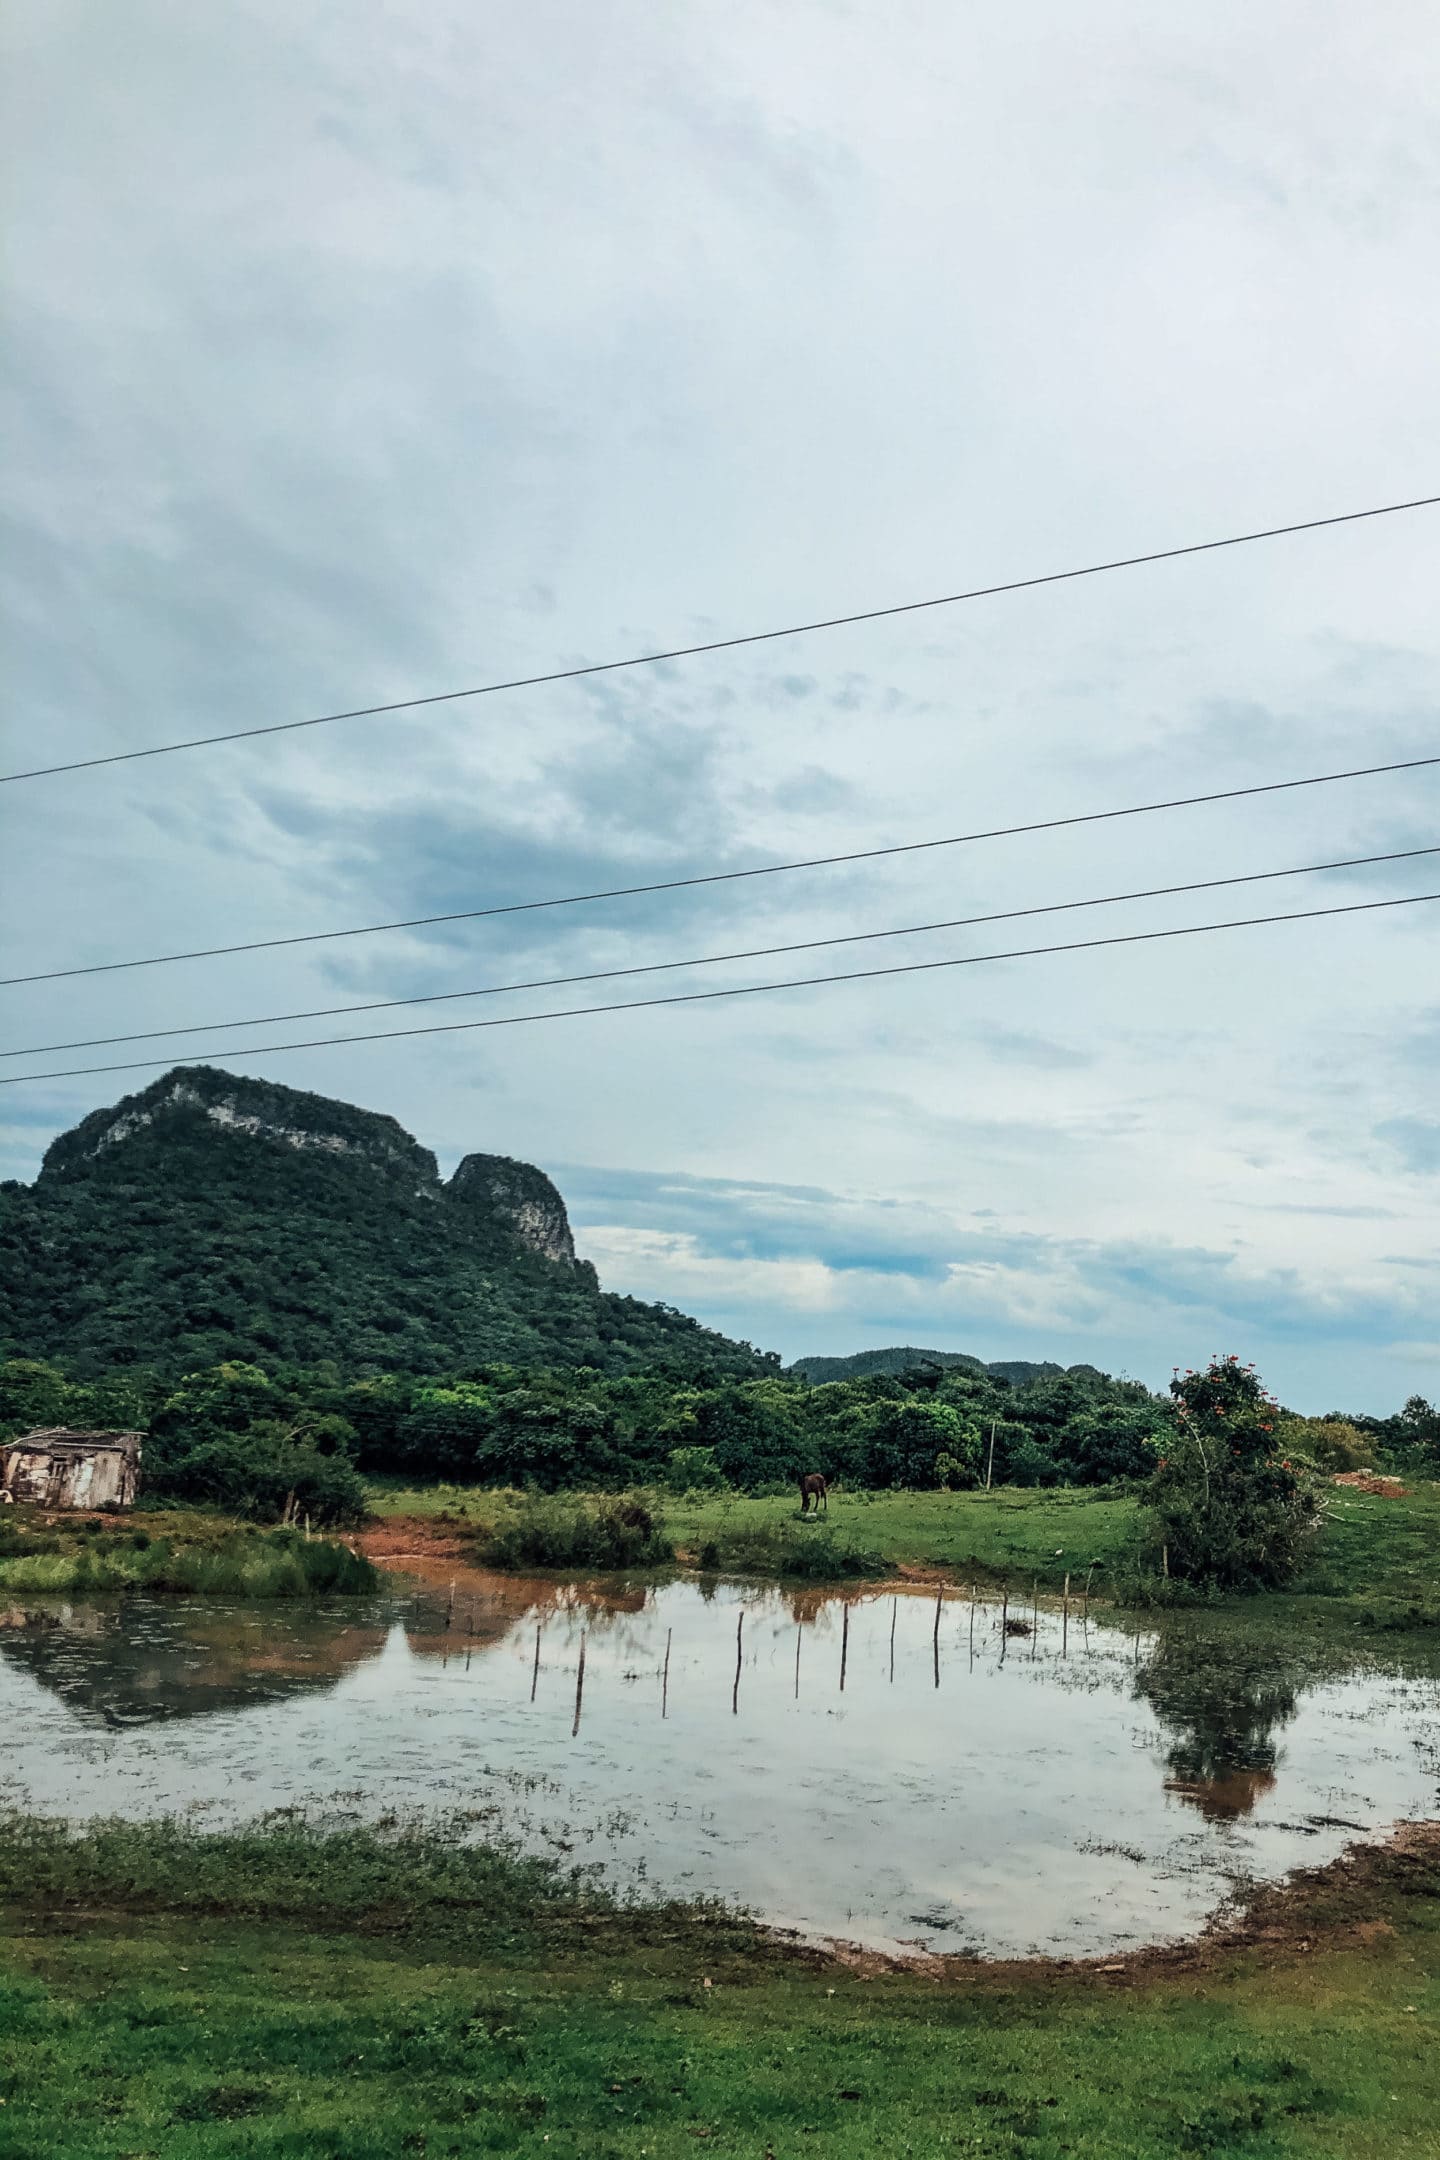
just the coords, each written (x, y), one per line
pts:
(129, 1662)
(950, 1782)
(1221, 1704)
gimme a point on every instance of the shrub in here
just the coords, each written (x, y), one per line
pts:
(1225, 1507)
(1330, 1444)
(785, 1549)
(261, 1475)
(1029, 1462)
(553, 1532)
(693, 1469)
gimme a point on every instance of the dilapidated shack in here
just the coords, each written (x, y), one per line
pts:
(58, 1468)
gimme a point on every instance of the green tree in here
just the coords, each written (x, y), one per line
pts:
(1225, 1507)
(31, 1394)
(907, 1442)
(753, 1431)
(1419, 1429)
(230, 1438)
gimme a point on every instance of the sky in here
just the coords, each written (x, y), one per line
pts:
(361, 355)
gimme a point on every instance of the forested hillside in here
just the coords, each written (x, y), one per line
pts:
(211, 1217)
(862, 1363)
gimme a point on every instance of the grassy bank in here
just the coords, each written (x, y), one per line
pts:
(173, 1554)
(1375, 1566)
(278, 1994)
(994, 1536)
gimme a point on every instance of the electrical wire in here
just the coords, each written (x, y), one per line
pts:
(720, 877)
(757, 952)
(725, 644)
(702, 997)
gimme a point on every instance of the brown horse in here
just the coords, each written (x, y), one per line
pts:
(813, 1487)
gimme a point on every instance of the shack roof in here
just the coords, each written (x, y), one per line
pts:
(62, 1440)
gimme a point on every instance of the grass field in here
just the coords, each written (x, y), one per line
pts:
(186, 1998)
(1377, 1564)
(172, 1553)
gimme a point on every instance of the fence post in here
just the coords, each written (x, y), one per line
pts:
(579, 1688)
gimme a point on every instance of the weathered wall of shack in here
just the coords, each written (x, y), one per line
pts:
(71, 1477)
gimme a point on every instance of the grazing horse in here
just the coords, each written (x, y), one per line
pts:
(813, 1487)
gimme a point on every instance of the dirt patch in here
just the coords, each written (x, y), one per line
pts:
(398, 1538)
(1386, 1488)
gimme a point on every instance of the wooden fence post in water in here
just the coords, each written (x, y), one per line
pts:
(1034, 1616)
(665, 1677)
(1065, 1620)
(535, 1675)
(935, 1636)
(894, 1608)
(450, 1608)
(1004, 1620)
(579, 1688)
(799, 1638)
(735, 1691)
(844, 1642)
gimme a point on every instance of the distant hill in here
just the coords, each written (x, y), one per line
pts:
(212, 1217)
(1016, 1370)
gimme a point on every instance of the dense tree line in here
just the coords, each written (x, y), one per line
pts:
(236, 1435)
(1224, 1471)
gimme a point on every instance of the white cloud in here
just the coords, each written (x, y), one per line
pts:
(463, 345)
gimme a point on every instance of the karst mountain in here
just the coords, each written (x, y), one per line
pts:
(212, 1216)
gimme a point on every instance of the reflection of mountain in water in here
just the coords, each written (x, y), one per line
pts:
(143, 1660)
(139, 1662)
(1220, 1703)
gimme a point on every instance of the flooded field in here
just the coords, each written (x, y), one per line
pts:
(869, 1767)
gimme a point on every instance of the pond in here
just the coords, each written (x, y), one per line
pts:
(864, 1766)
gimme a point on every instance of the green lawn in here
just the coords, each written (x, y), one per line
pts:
(190, 2008)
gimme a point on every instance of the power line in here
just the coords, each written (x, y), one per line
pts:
(702, 997)
(757, 952)
(725, 644)
(721, 877)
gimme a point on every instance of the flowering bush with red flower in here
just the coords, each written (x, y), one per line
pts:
(1225, 1508)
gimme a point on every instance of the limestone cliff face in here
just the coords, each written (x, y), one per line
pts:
(522, 1198)
(196, 1102)
(199, 1124)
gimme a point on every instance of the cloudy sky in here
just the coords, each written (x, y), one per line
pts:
(357, 354)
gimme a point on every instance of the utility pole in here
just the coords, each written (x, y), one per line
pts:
(990, 1465)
